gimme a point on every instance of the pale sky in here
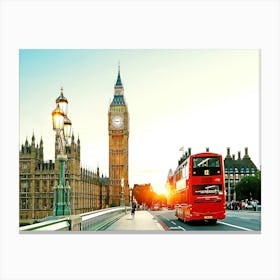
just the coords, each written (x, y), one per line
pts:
(176, 98)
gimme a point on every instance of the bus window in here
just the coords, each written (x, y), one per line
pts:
(205, 166)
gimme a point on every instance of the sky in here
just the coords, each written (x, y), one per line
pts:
(176, 98)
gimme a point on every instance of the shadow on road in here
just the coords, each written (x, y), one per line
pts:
(201, 223)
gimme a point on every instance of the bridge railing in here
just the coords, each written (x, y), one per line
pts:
(101, 219)
(51, 225)
(91, 221)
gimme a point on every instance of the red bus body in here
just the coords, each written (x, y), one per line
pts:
(200, 188)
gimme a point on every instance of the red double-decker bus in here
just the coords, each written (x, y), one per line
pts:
(200, 188)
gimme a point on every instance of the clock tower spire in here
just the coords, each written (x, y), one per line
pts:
(118, 130)
(119, 81)
(118, 89)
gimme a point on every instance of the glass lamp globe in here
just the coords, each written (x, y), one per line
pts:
(67, 127)
(58, 118)
(62, 102)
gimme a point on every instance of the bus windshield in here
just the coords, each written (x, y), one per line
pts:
(206, 162)
(205, 166)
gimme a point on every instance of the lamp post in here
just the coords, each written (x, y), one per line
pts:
(229, 185)
(62, 127)
(234, 182)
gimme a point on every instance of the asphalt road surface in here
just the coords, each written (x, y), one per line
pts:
(242, 221)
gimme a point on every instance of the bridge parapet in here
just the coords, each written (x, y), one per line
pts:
(51, 225)
(101, 219)
(91, 221)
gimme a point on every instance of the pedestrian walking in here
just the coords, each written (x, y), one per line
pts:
(133, 208)
(255, 205)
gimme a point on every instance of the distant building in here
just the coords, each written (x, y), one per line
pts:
(143, 193)
(170, 188)
(236, 169)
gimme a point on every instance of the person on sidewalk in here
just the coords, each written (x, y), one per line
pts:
(133, 208)
(255, 204)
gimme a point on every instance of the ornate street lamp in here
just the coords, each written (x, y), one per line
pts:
(62, 127)
(62, 102)
(234, 182)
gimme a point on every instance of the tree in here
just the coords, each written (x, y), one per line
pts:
(249, 187)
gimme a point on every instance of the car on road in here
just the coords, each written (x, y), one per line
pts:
(155, 207)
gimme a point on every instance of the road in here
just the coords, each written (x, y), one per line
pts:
(245, 221)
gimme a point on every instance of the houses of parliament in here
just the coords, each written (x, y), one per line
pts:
(89, 190)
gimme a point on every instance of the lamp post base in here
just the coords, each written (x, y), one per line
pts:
(61, 201)
(62, 211)
(122, 202)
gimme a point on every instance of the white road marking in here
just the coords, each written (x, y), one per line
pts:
(173, 223)
(181, 228)
(230, 225)
(177, 227)
(173, 227)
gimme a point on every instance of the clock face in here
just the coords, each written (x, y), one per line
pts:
(117, 121)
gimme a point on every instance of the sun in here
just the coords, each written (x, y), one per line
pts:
(161, 190)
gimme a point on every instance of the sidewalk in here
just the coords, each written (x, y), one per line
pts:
(142, 220)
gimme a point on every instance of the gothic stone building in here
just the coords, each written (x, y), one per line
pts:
(89, 191)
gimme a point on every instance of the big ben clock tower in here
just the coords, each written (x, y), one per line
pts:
(118, 128)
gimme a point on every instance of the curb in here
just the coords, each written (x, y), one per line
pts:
(165, 227)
